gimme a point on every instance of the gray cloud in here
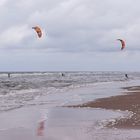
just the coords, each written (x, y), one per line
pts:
(70, 27)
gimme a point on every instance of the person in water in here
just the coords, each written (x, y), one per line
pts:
(126, 76)
(63, 74)
(8, 75)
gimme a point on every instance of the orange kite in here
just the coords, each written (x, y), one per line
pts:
(38, 31)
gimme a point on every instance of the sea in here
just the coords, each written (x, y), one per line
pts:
(25, 88)
(38, 102)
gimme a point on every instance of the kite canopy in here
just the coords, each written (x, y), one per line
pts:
(38, 31)
(122, 43)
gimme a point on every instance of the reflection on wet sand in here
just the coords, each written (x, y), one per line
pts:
(41, 128)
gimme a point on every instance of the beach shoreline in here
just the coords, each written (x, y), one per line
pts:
(90, 119)
(129, 101)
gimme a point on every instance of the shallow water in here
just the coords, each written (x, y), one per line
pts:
(27, 99)
(82, 124)
(24, 88)
(62, 123)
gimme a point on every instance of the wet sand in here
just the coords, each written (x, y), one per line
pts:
(60, 123)
(92, 120)
(129, 101)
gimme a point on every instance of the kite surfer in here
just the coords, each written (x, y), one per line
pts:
(126, 76)
(63, 74)
(8, 75)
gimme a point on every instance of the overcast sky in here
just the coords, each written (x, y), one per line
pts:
(77, 35)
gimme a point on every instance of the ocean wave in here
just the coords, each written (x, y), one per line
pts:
(21, 88)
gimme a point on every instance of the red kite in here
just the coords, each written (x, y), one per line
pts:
(122, 43)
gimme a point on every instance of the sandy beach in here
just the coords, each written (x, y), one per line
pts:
(130, 101)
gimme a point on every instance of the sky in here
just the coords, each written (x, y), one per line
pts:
(78, 35)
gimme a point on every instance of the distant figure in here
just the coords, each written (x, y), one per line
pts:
(63, 74)
(8, 75)
(126, 76)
